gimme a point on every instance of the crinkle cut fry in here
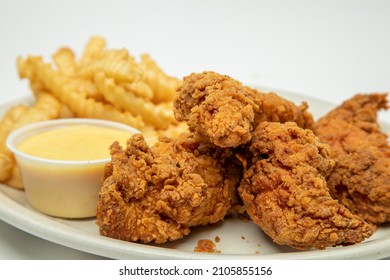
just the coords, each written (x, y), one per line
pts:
(159, 116)
(95, 45)
(121, 71)
(46, 107)
(164, 87)
(65, 61)
(79, 104)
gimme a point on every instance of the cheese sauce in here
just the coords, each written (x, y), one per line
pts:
(74, 142)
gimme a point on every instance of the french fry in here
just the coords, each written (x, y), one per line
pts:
(15, 180)
(37, 88)
(6, 126)
(6, 165)
(24, 67)
(79, 104)
(159, 116)
(113, 55)
(139, 88)
(46, 107)
(150, 134)
(94, 46)
(85, 87)
(173, 130)
(10, 121)
(64, 59)
(164, 87)
(104, 83)
(121, 71)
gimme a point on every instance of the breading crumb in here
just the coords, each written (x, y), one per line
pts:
(244, 218)
(206, 246)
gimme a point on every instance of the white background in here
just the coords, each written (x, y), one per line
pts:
(329, 50)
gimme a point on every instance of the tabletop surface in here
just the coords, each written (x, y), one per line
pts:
(329, 50)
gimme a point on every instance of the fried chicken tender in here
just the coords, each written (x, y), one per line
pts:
(222, 110)
(155, 194)
(361, 179)
(285, 193)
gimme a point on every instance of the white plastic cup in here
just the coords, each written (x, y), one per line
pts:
(61, 188)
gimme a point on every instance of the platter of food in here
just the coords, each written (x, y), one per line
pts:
(236, 237)
(208, 168)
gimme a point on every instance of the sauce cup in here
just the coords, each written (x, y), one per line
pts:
(62, 188)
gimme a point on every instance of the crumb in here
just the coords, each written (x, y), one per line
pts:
(205, 246)
(242, 237)
(257, 252)
(217, 239)
(244, 218)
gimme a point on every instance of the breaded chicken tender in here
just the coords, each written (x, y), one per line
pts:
(285, 193)
(223, 111)
(361, 179)
(244, 147)
(155, 194)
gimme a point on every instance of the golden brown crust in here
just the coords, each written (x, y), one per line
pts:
(205, 246)
(223, 111)
(361, 179)
(155, 194)
(285, 191)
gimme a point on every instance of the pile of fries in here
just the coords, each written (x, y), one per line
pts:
(104, 83)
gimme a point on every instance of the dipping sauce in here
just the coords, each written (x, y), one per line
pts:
(74, 142)
(62, 162)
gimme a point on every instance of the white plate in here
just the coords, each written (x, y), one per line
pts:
(238, 239)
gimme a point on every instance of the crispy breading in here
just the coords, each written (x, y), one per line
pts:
(285, 192)
(224, 111)
(155, 194)
(361, 179)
